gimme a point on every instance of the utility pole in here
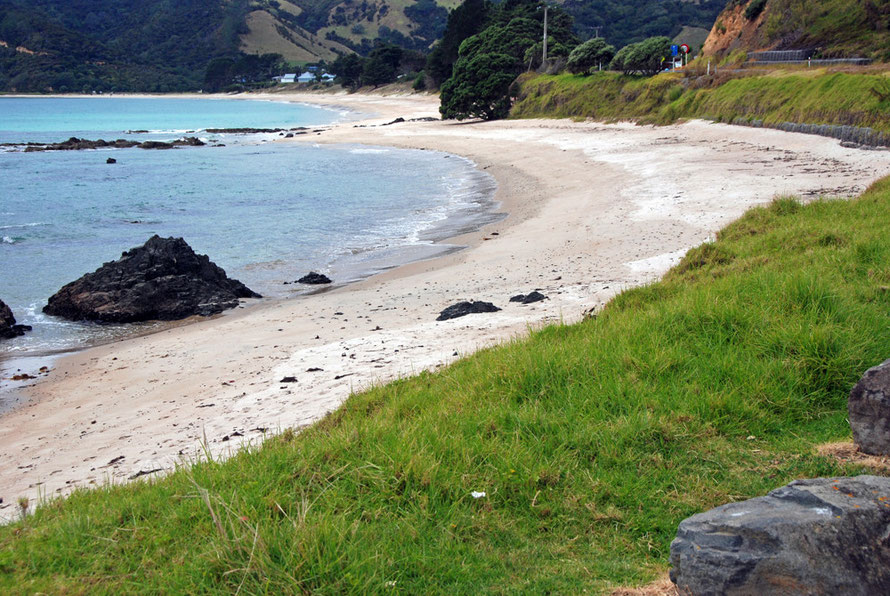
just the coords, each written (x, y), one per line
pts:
(596, 30)
(544, 61)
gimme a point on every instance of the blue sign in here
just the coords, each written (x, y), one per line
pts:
(675, 49)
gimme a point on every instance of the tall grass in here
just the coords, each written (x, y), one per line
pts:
(804, 97)
(591, 442)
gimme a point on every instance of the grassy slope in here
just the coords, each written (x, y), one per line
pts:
(592, 441)
(837, 27)
(808, 97)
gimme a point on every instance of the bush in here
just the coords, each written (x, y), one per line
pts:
(754, 9)
(646, 57)
(589, 54)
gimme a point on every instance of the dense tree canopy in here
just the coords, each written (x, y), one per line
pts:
(479, 87)
(464, 21)
(489, 61)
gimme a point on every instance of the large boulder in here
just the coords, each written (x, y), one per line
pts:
(8, 328)
(162, 280)
(869, 410)
(820, 536)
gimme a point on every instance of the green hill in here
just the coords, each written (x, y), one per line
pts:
(166, 45)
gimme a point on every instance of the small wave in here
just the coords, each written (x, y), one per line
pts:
(24, 225)
(8, 240)
(367, 151)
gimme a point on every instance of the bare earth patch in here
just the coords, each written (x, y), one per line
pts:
(848, 453)
(663, 586)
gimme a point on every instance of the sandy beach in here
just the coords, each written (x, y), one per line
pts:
(591, 209)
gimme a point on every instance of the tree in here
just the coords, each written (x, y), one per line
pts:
(646, 57)
(464, 21)
(381, 65)
(589, 54)
(489, 61)
(479, 87)
(348, 70)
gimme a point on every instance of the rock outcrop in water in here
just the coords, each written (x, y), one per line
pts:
(162, 280)
(819, 536)
(76, 144)
(8, 328)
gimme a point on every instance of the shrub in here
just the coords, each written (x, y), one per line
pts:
(589, 54)
(754, 9)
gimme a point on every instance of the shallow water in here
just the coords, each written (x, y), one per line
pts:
(266, 212)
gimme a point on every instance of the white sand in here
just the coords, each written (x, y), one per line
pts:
(592, 209)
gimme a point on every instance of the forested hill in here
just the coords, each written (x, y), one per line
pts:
(628, 21)
(167, 45)
(82, 45)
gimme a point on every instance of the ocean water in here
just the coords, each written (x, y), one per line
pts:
(265, 211)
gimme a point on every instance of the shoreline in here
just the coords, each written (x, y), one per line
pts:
(592, 208)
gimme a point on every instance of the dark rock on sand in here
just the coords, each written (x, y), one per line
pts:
(535, 296)
(314, 278)
(8, 328)
(162, 280)
(819, 536)
(869, 410)
(466, 308)
(110, 160)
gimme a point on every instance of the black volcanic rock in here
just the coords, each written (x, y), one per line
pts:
(535, 296)
(462, 309)
(8, 328)
(314, 278)
(162, 280)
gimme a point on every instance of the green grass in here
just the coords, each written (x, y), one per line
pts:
(835, 27)
(804, 97)
(592, 442)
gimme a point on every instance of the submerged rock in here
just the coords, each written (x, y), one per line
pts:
(819, 536)
(535, 296)
(162, 280)
(869, 410)
(8, 328)
(462, 309)
(314, 278)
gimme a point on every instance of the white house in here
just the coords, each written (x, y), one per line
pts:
(286, 78)
(306, 77)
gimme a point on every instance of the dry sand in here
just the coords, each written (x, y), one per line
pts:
(592, 209)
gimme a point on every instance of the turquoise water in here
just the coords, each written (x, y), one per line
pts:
(267, 212)
(49, 119)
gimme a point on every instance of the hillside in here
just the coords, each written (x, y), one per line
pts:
(83, 45)
(159, 45)
(827, 29)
